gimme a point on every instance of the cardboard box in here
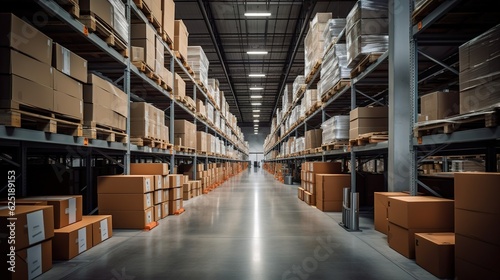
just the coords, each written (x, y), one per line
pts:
(369, 112)
(102, 227)
(181, 38)
(31, 262)
(179, 86)
(165, 208)
(175, 193)
(102, 9)
(19, 90)
(21, 65)
(34, 224)
(124, 202)
(467, 270)
(158, 212)
(369, 122)
(65, 104)
(355, 132)
(168, 23)
(69, 63)
(158, 197)
(20, 35)
(201, 141)
(329, 187)
(131, 184)
(477, 191)
(137, 54)
(381, 208)
(149, 50)
(175, 180)
(325, 167)
(439, 105)
(166, 183)
(478, 252)
(94, 113)
(67, 209)
(402, 240)
(149, 168)
(478, 225)
(175, 205)
(435, 252)
(72, 240)
(131, 219)
(158, 182)
(94, 94)
(309, 198)
(421, 212)
(67, 85)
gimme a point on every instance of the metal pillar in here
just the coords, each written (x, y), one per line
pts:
(195, 160)
(172, 115)
(126, 87)
(400, 122)
(89, 183)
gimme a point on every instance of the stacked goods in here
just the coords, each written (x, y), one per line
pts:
(185, 134)
(381, 208)
(210, 144)
(329, 191)
(201, 109)
(191, 189)
(168, 18)
(332, 30)
(313, 138)
(334, 68)
(314, 41)
(300, 144)
(477, 214)
(367, 29)
(367, 120)
(128, 198)
(287, 99)
(308, 177)
(298, 85)
(198, 61)
(67, 209)
(181, 39)
(33, 231)
(144, 36)
(335, 129)
(179, 87)
(147, 122)
(435, 252)
(159, 171)
(111, 13)
(201, 142)
(311, 98)
(438, 105)
(159, 57)
(408, 215)
(176, 182)
(105, 104)
(479, 72)
(120, 23)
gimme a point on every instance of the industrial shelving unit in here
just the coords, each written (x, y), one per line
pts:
(19, 144)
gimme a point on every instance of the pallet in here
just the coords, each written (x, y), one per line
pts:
(152, 143)
(201, 116)
(314, 70)
(185, 63)
(364, 61)
(337, 145)
(424, 9)
(314, 107)
(184, 149)
(71, 6)
(369, 138)
(102, 30)
(149, 15)
(38, 119)
(339, 86)
(165, 85)
(203, 87)
(300, 91)
(96, 131)
(143, 68)
(167, 39)
(180, 211)
(489, 118)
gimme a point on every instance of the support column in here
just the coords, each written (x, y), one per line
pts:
(172, 115)
(126, 87)
(400, 118)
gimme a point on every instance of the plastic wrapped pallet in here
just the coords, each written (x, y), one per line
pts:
(299, 83)
(287, 99)
(333, 28)
(300, 144)
(198, 61)
(120, 24)
(314, 41)
(210, 112)
(311, 97)
(334, 68)
(335, 129)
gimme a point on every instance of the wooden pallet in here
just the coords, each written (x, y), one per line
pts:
(300, 91)
(339, 86)
(167, 39)
(337, 145)
(96, 131)
(204, 88)
(314, 70)
(148, 142)
(201, 116)
(185, 63)
(315, 106)
(369, 138)
(147, 70)
(38, 119)
(364, 61)
(149, 15)
(184, 149)
(102, 30)
(71, 6)
(165, 86)
(180, 211)
(424, 9)
(488, 118)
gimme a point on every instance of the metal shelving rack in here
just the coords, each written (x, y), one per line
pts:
(63, 28)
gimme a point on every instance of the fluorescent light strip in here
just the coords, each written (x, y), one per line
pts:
(256, 104)
(256, 125)
(256, 75)
(255, 120)
(256, 88)
(255, 96)
(256, 111)
(256, 52)
(256, 116)
(257, 14)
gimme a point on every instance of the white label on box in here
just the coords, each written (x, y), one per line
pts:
(82, 240)
(148, 200)
(72, 210)
(159, 182)
(148, 185)
(159, 212)
(36, 230)
(34, 261)
(149, 217)
(178, 182)
(66, 61)
(159, 196)
(104, 229)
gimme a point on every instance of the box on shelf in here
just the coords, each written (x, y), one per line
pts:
(101, 9)
(68, 96)
(168, 22)
(201, 141)
(67, 208)
(199, 62)
(366, 120)
(69, 63)
(313, 138)
(143, 36)
(179, 87)
(435, 252)
(72, 240)
(181, 38)
(137, 54)
(439, 105)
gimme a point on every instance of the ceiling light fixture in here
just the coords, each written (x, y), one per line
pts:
(256, 111)
(256, 88)
(255, 120)
(255, 133)
(256, 96)
(256, 75)
(256, 52)
(256, 116)
(256, 104)
(257, 14)
(256, 125)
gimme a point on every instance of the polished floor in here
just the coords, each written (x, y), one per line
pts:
(251, 227)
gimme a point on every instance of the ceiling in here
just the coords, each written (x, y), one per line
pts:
(224, 23)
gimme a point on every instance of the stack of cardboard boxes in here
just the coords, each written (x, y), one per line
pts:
(176, 183)
(110, 13)
(201, 142)
(329, 191)
(191, 189)
(185, 134)
(147, 121)
(367, 120)
(198, 61)
(144, 36)
(314, 41)
(179, 87)
(381, 208)
(313, 138)
(168, 22)
(181, 39)
(308, 178)
(439, 105)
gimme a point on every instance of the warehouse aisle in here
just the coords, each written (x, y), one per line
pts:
(251, 227)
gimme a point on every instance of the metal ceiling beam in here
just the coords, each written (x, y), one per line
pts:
(214, 35)
(292, 50)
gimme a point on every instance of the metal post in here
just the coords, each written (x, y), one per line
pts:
(195, 125)
(172, 115)
(89, 183)
(354, 211)
(126, 87)
(353, 218)
(445, 164)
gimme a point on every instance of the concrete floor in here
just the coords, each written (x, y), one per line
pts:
(251, 227)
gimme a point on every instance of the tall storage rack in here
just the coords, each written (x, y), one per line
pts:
(66, 151)
(424, 63)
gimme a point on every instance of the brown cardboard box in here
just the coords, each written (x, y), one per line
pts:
(466, 270)
(421, 212)
(30, 262)
(166, 183)
(165, 209)
(158, 212)
(137, 54)
(402, 240)
(175, 205)
(439, 105)
(72, 240)
(181, 38)
(132, 184)
(21, 65)
(435, 252)
(95, 113)
(168, 23)
(149, 50)
(175, 193)
(141, 111)
(479, 225)
(325, 167)
(158, 197)
(175, 180)
(65, 104)
(155, 8)
(40, 226)
(329, 187)
(131, 219)
(186, 195)
(201, 141)
(158, 182)
(355, 132)
(149, 168)
(94, 94)
(143, 129)
(179, 86)
(313, 138)
(369, 122)
(478, 252)
(166, 195)
(381, 208)
(124, 202)
(19, 90)
(67, 209)
(186, 187)
(20, 35)
(102, 227)
(102, 9)
(309, 198)
(69, 63)
(477, 191)
(369, 112)
(67, 85)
